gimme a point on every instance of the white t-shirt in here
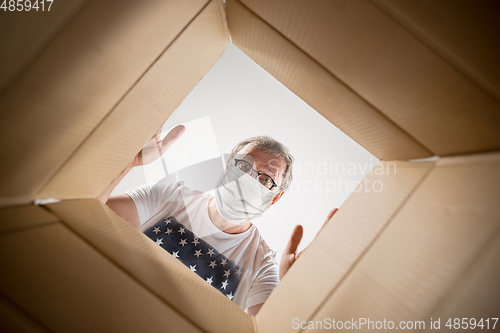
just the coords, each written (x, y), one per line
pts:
(241, 266)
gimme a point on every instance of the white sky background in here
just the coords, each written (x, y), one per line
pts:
(237, 99)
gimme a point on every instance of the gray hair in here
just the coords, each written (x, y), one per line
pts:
(269, 145)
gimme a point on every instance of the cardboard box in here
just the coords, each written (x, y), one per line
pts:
(400, 79)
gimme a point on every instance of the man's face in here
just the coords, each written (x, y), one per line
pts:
(264, 162)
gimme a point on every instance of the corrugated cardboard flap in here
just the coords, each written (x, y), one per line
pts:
(60, 105)
(63, 283)
(369, 76)
(144, 109)
(340, 245)
(20, 45)
(319, 87)
(426, 245)
(445, 230)
(157, 270)
(95, 267)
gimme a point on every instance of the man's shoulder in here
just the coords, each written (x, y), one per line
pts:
(166, 189)
(191, 196)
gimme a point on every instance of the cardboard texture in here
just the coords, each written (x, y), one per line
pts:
(158, 271)
(405, 79)
(456, 41)
(14, 320)
(476, 293)
(23, 44)
(385, 65)
(72, 86)
(23, 217)
(147, 105)
(341, 244)
(319, 87)
(74, 282)
(430, 242)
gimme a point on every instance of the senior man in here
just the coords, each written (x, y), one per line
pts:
(214, 235)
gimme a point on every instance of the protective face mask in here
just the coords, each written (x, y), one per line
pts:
(240, 197)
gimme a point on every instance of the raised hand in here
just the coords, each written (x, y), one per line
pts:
(150, 153)
(290, 254)
(156, 147)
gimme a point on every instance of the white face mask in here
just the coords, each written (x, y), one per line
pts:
(241, 197)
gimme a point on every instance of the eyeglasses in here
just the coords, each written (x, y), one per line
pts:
(263, 178)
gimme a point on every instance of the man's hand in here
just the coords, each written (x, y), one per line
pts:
(156, 147)
(290, 254)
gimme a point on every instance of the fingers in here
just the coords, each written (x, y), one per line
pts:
(331, 214)
(139, 158)
(294, 241)
(158, 133)
(328, 218)
(155, 147)
(174, 134)
(290, 254)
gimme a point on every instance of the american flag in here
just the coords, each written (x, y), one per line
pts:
(198, 255)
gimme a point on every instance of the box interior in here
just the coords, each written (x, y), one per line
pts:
(388, 73)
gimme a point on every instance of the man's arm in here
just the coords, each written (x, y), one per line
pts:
(104, 196)
(122, 204)
(254, 309)
(125, 207)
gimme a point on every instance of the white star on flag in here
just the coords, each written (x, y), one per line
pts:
(224, 284)
(198, 255)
